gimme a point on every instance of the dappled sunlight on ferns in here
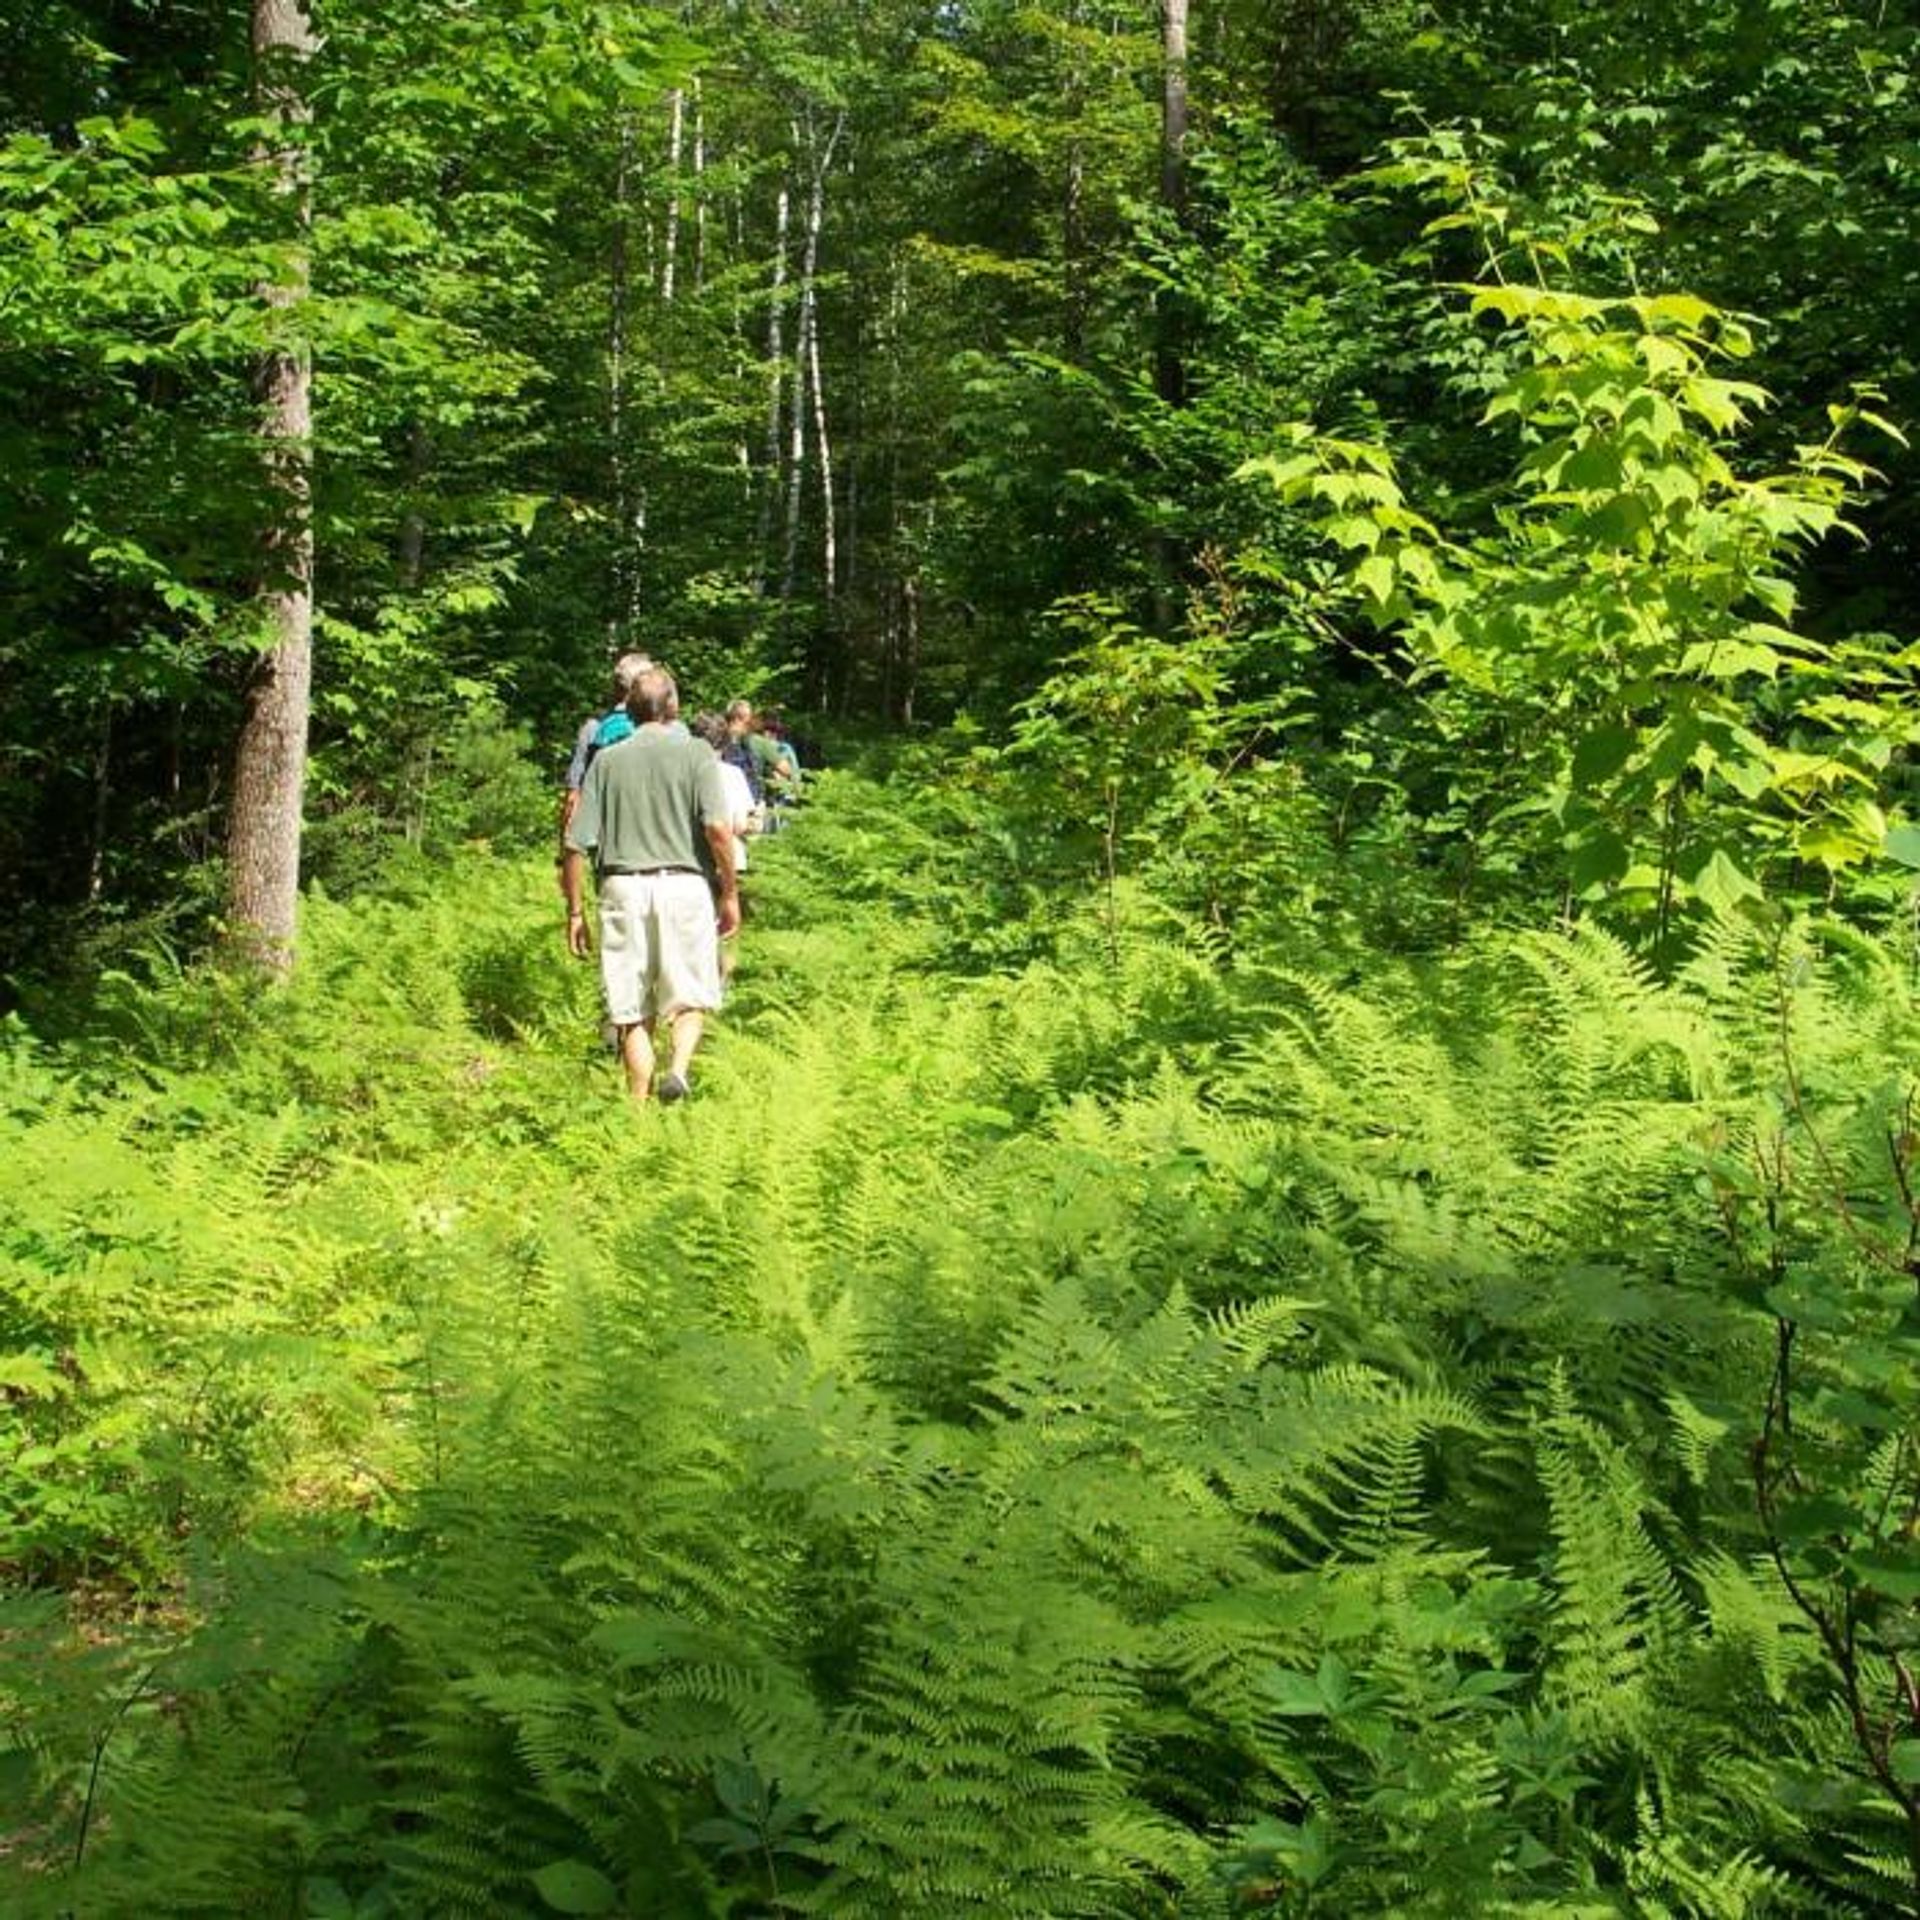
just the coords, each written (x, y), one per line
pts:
(1145, 1428)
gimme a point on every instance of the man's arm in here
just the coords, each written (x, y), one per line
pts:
(726, 884)
(577, 766)
(573, 867)
(583, 835)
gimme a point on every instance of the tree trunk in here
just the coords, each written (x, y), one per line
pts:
(102, 792)
(806, 369)
(413, 524)
(699, 190)
(823, 443)
(1169, 364)
(910, 652)
(629, 501)
(676, 135)
(263, 836)
(1169, 372)
(894, 641)
(1073, 210)
(776, 377)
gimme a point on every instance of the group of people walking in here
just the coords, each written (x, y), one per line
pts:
(663, 812)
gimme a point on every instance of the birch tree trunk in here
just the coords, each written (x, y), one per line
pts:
(807, 393)
(699, 190)
(734, 229)
(894, 560)
(823, 445)
(676, 136)
(797, 422)
(1169, 370)
(776, 379)
(625, 582)
(270, 765)
(102, 812)
(413, 525)
(1073, 196)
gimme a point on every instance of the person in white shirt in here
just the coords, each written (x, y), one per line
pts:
(741, 807)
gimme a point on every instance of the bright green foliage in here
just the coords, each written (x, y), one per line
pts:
(1119, 1433)
(1622, 624)
(1284, 1291)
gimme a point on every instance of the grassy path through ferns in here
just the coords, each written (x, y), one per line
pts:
(1073, 1436)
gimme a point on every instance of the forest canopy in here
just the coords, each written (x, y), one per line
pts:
(832, 351)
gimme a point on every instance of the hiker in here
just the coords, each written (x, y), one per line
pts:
(626, 670)
(653, 816)
(786, 758)
(742, 810)
(738, 753)
(779, 767)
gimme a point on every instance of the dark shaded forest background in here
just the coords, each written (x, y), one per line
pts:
(824, 350)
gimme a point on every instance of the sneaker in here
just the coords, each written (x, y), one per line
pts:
(671, 1088)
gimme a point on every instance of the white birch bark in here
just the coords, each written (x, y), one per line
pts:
(699, 190)
(670, 250)
(776, 377)
(1170, 375)
(625, 587)
(807, 393)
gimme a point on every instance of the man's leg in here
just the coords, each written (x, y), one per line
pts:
(636, 1055)
(623, 960)
(688, 1025)
(687, 982)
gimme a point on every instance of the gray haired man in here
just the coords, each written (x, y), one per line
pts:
(626, 670)
(654, 818)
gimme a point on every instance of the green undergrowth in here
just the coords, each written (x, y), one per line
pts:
(1104, 1420)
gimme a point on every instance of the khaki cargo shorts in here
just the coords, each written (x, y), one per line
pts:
(659, 946)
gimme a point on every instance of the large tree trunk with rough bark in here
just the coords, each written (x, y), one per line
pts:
(263, 835)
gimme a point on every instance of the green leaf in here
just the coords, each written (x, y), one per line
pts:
(327, 1900)
(572, 1886)
(1903, 1761)
(30, 1373)
(1374, 576)
(1487, 1681)
(1601, 754)
(1721, 886)
(1599, 859)
(1807, 1302)
(16, 1776)
(1819, 1518)
(1903, 844)
(1298, 1696)
(730, 1837)
(1897, 1575)
(1287, 475)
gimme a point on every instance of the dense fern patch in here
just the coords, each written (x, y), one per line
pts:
(1099, 1421)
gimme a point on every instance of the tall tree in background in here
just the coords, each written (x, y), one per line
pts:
(1169, 376)
(263, 843)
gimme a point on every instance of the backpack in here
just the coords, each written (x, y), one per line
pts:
(613, 729)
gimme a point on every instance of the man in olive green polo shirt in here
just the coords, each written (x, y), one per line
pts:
(653, 817)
